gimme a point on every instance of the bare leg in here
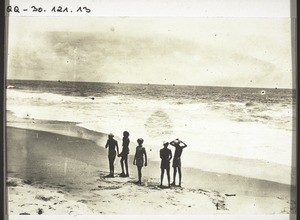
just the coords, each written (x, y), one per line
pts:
(174, 176)
(179, 172)
(126, 165)
(162, 171)
(168, 174)
(139, 174)
(111, 165)
(122, 166)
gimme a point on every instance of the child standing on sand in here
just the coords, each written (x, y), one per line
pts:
(138, 160)
(124, 154)
(112, 145)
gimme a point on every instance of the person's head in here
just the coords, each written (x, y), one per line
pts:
(140, 141)
(166, 144)
(110, 136)
(176, 141)
(126, 134)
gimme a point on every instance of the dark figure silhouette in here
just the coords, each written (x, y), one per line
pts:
(176, 160)
(165, 156)
(138, 160)
(112, 145)
(124, 154)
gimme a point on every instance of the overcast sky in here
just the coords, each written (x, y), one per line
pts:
(252, 52)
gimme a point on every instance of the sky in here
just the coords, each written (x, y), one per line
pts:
(242, 52)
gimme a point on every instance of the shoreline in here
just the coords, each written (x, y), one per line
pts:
(78, 166)
(251, 168)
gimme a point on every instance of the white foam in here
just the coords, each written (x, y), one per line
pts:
(200, 126)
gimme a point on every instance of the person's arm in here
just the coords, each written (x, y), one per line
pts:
(160, 155)
(119, 154)
(184, 144)
(172, 143)
(106, 145)
(170, 155)
(134, 159)
(117, 147)
(145, 157)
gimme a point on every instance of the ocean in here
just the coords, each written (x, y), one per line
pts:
(250, 123)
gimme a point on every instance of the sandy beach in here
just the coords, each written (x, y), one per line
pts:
(51, 173)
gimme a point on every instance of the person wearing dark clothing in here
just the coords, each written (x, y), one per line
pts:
(165, 156)
(112, 145)
(179, 145)
(124, 154)
(138, 160)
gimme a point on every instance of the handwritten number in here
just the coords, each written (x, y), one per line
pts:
(35, 9)
(16, 9)
(59, 9)
(87, 10)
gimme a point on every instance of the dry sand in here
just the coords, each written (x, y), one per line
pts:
(49, 173)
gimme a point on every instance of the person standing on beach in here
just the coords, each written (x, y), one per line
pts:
(165, 156)
(124, 154)
(176, 160)
(138, 160)
(112, 145)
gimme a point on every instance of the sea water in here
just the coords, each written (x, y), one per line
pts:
(253, 123)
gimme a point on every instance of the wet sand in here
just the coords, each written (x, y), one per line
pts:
(65, 174)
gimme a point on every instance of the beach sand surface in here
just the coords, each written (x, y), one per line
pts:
(51, 173)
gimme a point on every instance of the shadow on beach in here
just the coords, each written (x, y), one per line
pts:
(77, 167)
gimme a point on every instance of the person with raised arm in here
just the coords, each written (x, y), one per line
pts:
(179, 146)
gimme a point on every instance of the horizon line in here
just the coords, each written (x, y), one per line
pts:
(133, 83)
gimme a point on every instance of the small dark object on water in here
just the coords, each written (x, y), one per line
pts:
(92, 98)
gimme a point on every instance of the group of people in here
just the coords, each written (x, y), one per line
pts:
(140, 157)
